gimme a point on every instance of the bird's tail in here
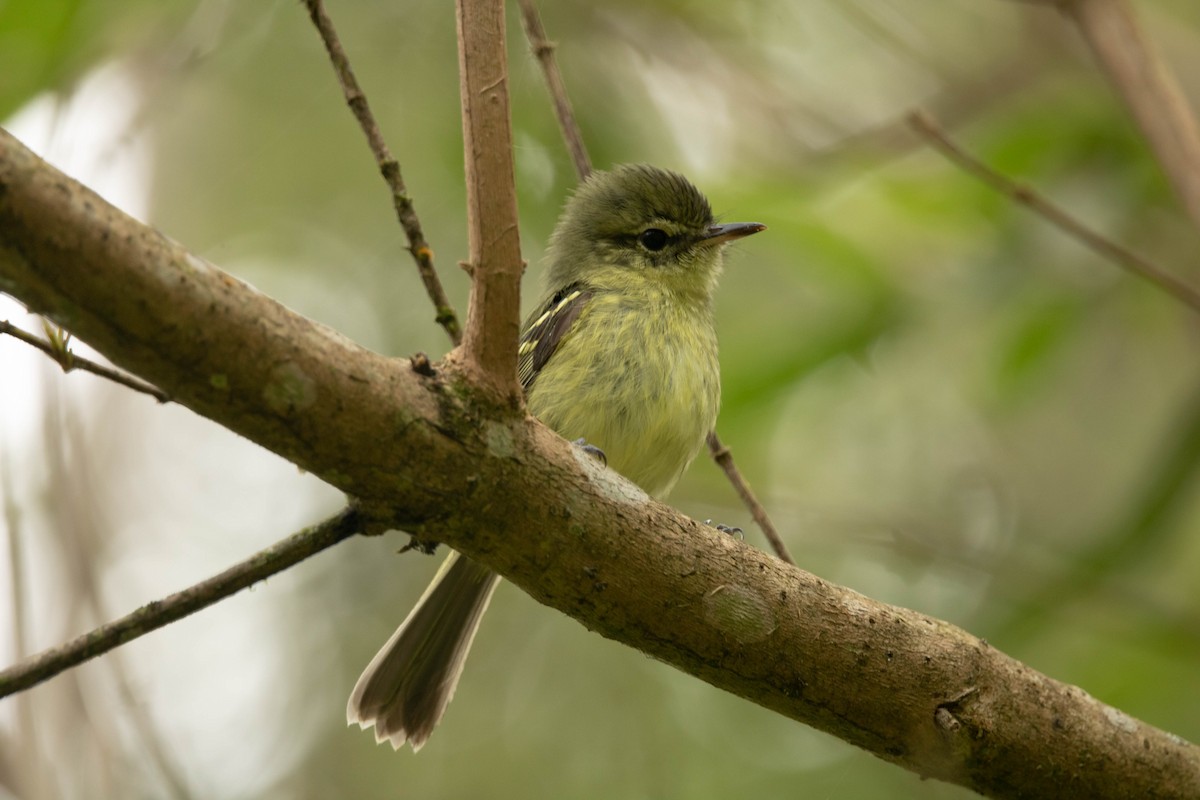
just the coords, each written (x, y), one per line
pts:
(405, 689)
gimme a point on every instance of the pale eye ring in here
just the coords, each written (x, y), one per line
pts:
(653, 239)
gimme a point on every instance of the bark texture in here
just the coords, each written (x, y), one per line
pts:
(447, 461)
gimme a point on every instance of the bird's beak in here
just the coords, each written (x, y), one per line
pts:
(720, 234)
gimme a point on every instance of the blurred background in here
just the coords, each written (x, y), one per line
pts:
(943, 402)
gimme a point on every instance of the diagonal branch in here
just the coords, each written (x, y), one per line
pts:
(724, 458)
(1122, 256)
(389, 168)
(62, 356)
(543, 49)
(151, 617)
(428, 454)
(1148, 89)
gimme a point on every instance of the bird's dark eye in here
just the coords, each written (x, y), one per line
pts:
(653, 239)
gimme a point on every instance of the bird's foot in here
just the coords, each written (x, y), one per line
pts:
(591, 450)
(732, 531)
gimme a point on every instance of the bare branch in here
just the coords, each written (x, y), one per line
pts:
(61, 354)
(427, 454)
(175, 320)
(924, 124)
(1148, 89)
(153, 616)
(543, 48)
(389, 168)
(720, 454)
(494, 316)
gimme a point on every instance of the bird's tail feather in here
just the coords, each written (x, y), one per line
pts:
(405, 689)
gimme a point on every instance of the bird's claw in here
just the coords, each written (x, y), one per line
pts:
(591, 450)
(731, 530)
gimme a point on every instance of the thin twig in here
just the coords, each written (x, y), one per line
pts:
(955, 104)
(59, 351)
(389, 168)
(928, 127)
(1148, 88)
(153, 616)
(573, 137)
(720, 454)
(543, 48)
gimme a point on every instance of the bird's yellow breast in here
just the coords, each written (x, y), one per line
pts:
(639, 379)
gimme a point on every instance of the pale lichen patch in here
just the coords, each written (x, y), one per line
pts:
(740, 613)
(289, 389)
(609, 483)
(499, 439)
(1120, 720)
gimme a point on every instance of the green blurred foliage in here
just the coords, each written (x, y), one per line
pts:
(943, 401)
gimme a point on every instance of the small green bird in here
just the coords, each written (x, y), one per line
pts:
(621, 353)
